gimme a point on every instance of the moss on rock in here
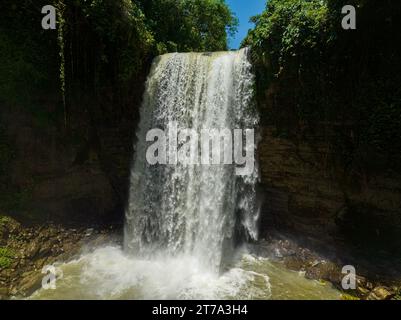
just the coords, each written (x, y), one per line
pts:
(6, 257)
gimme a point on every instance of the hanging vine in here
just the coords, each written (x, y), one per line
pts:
(61, 41)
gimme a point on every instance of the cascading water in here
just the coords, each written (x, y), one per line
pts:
(181, 219)
(192, 210)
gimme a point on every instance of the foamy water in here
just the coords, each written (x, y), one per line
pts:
(183, 223)
(108, 273)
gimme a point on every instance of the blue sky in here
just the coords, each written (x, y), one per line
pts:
(244, 9)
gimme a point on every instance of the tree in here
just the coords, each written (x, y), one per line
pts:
(190, 25)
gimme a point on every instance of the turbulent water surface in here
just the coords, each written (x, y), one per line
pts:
(108, 273)
(184, 222)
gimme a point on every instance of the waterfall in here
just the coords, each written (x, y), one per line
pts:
(193, 210)
(183, 221)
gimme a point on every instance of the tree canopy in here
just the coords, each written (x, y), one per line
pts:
(101, 42)
(319, 75)
(190, 25)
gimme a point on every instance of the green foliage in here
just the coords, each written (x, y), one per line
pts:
(398, 294)
(108, 44)
(89, 72)
(288, 29)
(99, 43)
(26, 52)
(4, 220)
(121, 29)
(6, 257)
(345, 296)
(190, 25)
(324, 80)
(20, 75)
(60, 40)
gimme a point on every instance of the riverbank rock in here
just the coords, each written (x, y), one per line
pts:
(26, 250)
(381, 293)
(294, 263)
(323, 270)
(3, 292)
(31, 281)
(298, 256)
(8, 226)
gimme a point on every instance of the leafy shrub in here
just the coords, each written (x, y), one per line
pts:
(342, 83)
(6, 257)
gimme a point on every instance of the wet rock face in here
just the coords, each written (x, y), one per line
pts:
(58, 188)
(306, 192)
(299, 194)
(30, 282)
(75, 173)
(81, 195)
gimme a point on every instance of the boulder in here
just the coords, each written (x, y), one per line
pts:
(3, 293)
(323, 270)
(30, 283)
(381, 293)
(294, 263)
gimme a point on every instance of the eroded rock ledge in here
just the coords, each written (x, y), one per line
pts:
(306, 192)
(24, 251)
